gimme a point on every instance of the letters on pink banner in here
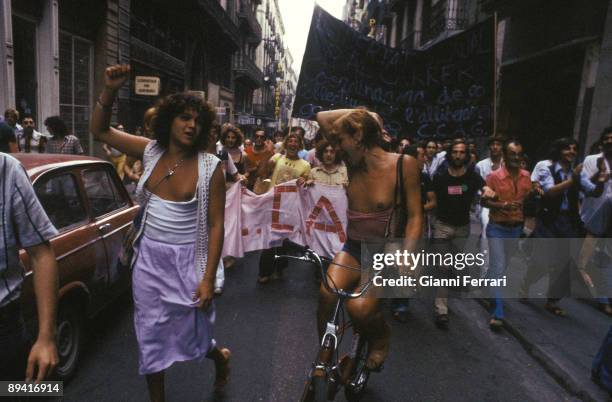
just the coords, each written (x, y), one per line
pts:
(313, 216)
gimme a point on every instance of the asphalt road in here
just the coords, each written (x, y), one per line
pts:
(271, 332)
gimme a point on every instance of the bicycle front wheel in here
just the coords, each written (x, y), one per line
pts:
(307, 395)
(319, 389)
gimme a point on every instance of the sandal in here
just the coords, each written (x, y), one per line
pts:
(556, 310)
(262, 280)
(222, 370)
(496, 324)
(378, 349)
(345, 369)
(442, 321)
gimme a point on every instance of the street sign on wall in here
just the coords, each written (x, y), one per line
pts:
(246, 120)
(148, 86)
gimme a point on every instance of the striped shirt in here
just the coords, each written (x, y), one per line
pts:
(24, 224)
(64, 145)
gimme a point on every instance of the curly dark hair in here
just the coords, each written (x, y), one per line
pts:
(169, 107)
(230, 128)
(449, 153)
(297, 137)
(320, 150)
(605, 132)
(56, 126)
(558, 146)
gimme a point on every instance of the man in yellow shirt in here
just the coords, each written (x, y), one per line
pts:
(285, 168)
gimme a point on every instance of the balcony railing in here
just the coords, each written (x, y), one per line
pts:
(226, 22)
(445, 17)
(249, 20)
(150, 55)
(247, 70)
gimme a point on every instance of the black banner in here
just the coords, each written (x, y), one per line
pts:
(438, 92)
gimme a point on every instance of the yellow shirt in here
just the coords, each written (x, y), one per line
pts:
(336, 177)
(288, 169)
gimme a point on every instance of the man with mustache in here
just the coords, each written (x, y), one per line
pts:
(455, 188)
(30, 140)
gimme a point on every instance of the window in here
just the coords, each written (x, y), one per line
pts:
(75, 86)
(24, 38)
(60, 199)
(103, 195)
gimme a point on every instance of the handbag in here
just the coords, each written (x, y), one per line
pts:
(394, 232)
(127, 247)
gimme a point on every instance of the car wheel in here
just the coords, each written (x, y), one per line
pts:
(69, 340)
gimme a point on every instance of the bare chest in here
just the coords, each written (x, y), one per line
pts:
(174, 183)
(372, 191)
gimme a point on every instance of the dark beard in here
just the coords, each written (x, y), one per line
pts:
(457, 164)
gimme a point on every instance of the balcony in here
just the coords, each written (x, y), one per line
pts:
(248, 21)
(247, 71)
(445, 17)
(152, 56)
(225, 23)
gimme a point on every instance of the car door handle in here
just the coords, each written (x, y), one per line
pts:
(105, 228)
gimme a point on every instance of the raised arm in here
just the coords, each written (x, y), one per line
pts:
(326, 119)
(114, 78)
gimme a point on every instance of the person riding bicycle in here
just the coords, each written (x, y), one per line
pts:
(371, 197)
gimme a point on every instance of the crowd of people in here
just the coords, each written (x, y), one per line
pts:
(183, 162)
(24, 137)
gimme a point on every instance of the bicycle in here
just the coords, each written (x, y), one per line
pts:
(328, 372)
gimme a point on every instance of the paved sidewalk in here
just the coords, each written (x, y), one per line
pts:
(565, 346)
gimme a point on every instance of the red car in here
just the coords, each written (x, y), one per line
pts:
(88, 204)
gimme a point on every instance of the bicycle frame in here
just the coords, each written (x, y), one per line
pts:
(326, 366)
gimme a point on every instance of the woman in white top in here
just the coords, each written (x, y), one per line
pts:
(180, 233)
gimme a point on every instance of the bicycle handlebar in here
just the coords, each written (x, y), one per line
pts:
(289, 245)
(312, 257)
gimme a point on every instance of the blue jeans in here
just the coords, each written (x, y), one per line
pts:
(602, 364)
(557, 259)
(501, 242)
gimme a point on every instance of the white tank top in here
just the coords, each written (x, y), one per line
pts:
(171, 222)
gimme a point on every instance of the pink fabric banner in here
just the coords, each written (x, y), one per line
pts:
(313, 216)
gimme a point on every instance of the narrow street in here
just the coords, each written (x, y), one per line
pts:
(271, 332)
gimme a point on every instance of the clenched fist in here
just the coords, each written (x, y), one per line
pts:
(116, 76)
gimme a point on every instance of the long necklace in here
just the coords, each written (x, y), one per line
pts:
(176, 165)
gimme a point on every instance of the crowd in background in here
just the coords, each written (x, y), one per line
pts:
(557, 197)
